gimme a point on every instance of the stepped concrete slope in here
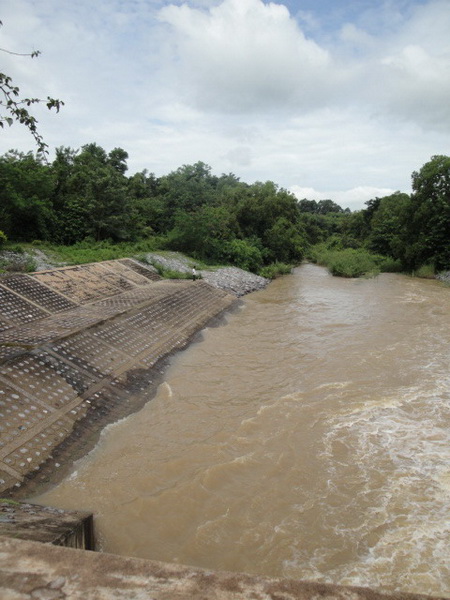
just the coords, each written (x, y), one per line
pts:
(79, 348)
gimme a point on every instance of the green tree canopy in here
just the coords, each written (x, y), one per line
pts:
(388, 225)
(26, 186)
(428, 222)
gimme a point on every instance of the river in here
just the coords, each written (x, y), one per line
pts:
(306, 438)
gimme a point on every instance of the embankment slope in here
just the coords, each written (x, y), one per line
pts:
(81, 347)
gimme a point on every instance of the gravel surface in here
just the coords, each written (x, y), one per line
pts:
(444, 276)
(173, 262)
(14, 261)
(19, 262)
(231, 279)
(234, 280)
(42, 261)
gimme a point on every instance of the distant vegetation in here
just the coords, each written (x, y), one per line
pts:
(84, 207)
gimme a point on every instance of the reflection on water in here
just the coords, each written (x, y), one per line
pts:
(308, 438)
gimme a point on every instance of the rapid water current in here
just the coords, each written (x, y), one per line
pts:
(306, 438)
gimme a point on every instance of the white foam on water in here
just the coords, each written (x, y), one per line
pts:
(401, 527)
(167, 389)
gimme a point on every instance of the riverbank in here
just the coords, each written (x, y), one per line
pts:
(444, 276)
(231, 279)
(84, 346)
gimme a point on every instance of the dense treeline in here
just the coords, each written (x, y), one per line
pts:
(413, 230)
(86, 194)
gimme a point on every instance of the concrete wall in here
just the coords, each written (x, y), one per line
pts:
(24, 521)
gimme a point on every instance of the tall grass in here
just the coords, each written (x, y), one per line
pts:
(350, 262)
(274, 270)
(89, 251)
(425, 272)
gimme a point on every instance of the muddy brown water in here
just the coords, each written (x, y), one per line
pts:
(306, 438)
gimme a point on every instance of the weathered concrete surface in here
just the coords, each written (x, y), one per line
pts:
(24, 521)
(31, 570)
(78, 347)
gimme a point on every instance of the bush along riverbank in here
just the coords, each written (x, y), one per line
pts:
(351, 262)
(40, 256)
(341, 262)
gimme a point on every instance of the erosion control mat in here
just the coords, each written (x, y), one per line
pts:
(81, 347)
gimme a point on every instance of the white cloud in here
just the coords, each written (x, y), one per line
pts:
(240, 85)
(246, 56)
(239, 156)
(417, 85)
(404, 71)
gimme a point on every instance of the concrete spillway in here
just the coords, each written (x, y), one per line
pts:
(78, 347)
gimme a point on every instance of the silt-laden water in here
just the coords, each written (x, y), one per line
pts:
(307, 438)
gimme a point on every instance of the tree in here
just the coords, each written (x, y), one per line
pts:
(284, 241)
(146, 205)
(388, 225)
(322, 207)
(117, 158)
(26, 186)
(15, 108)
(187, 189)
(91, 195)
(104, 192)
(428, 229)
(261, 204)
(204, 233)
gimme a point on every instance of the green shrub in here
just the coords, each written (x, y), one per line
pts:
(425, 272)
(352, 263)
(390, 265)
(88, 251)
(243, 254)
(16, 248)
(30, 265)
(318, 253)
(3, 239)
(274, 270)
(171, 274)
(348, 262)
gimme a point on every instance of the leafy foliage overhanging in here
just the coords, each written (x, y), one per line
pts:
(15, 108)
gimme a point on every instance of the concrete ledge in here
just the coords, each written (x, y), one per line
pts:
(32, 522)
(31, 570)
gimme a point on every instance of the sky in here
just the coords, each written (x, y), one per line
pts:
(339, 99)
